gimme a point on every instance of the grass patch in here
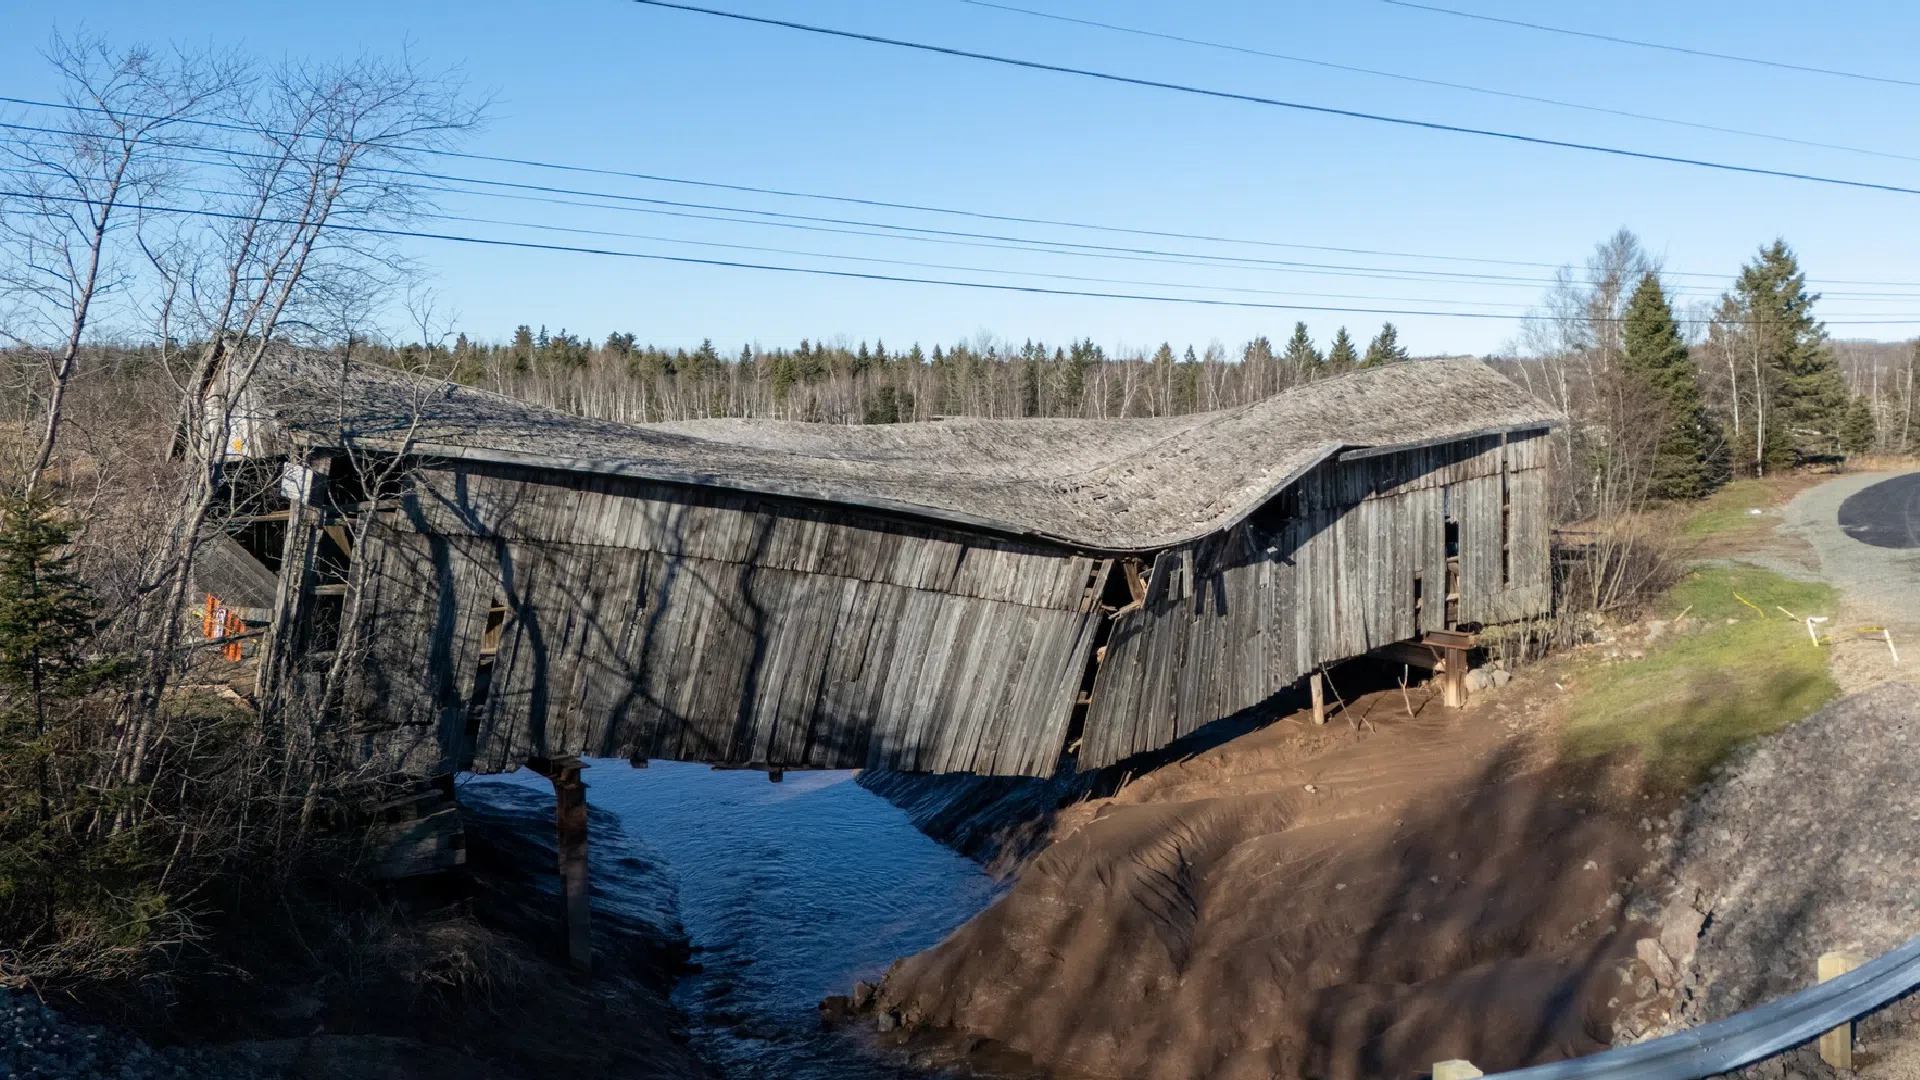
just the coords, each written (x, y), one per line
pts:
(1726, 510)
(1696, 697)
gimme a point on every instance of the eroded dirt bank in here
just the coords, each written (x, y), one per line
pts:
(1807, 842)
(1339, 902)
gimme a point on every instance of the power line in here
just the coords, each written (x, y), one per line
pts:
(1332, 66)
(849, 199)
(1308, 269)
(817, 223)
(879, 203)
(393, 233)
(1256, 99)
(1778, 64)
(990, 242)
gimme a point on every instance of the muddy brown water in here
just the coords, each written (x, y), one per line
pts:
(790, 892)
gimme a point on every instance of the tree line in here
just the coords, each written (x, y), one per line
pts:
(845, 382)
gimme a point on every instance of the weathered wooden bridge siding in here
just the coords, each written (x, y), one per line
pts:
(1321, 576)
(649, 620)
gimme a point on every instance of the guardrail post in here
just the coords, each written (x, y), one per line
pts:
(1836, 1046)
(1457, 1069)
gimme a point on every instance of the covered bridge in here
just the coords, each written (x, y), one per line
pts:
(957, 595)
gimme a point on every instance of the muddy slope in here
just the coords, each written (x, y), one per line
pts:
(1327, 902)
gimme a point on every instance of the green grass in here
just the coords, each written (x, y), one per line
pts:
(1695, 698)
(1726, 509)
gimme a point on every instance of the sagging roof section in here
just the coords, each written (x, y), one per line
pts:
(1098, 485)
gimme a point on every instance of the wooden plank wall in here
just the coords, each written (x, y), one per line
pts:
(649, 621)
(1320, 576)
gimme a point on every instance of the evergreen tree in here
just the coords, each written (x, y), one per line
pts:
(1804, 397)
(1186, 383)
(521, 350)
(1858, 431)
(1385, 348)
(1301, 357)
(48, 619)
(1688, 462)
(1341, 355)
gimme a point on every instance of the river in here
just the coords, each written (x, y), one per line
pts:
(789, 892)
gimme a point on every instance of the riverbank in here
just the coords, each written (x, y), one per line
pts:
(456, 977)
(1310, 901)
(1498, 884)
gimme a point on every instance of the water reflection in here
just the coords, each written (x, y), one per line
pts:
(790, 892)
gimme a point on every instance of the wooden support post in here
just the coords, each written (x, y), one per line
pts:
(1836, 1046)
(1454, 683)
(570, 814)
(1319, 698)
(1452, 646)
(1456, 1069)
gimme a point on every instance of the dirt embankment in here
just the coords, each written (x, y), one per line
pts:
(1807, 842)
(1332, 902)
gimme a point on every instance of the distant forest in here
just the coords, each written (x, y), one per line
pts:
(850, 383)
(858, 382)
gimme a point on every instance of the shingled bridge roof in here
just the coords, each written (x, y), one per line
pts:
(1097, 485)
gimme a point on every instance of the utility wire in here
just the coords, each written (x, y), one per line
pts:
(1683, 50)
(1012, 244)
(527, 245)
(817, 223)
(1024, 246)
(878, 260)
(1330, 65)
(879, 203)
(1256, 99)
(784, 193)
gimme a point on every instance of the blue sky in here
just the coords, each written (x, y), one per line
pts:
(621, 86)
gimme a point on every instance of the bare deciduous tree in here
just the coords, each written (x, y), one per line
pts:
(71, 190)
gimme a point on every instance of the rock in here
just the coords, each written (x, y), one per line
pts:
(1477, 679)
(1501, 676)
(1680, 932)
(1665, 972)
(1655, 628)
(886, 1022)
(835, 1010)
(863, 995)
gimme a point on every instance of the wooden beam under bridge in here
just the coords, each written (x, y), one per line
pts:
(570, 817)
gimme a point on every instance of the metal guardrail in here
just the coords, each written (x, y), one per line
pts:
(1754, 1035)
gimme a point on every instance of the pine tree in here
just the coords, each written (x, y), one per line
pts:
(1385, 348)
(1687, 464)
(1186, 383)
(1804, 397)
(522, 348)
(1858, 431)
(1341, 355)
(1301, 357)
(48, 619)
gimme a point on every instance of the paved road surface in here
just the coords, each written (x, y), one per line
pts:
(1879, 575)
(1886, 514)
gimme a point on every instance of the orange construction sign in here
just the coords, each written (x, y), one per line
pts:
(220, 622)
